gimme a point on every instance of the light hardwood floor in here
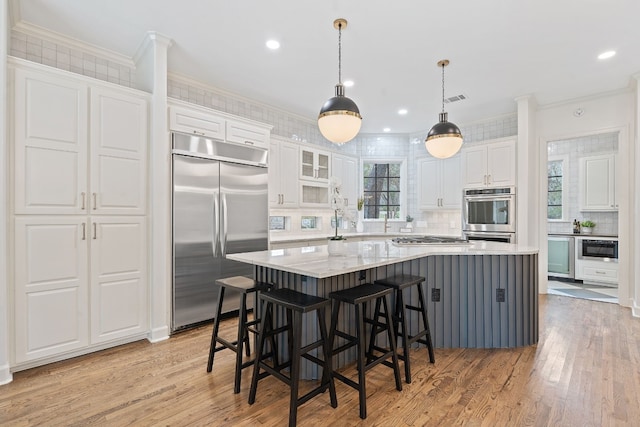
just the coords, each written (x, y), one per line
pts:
(585, 371)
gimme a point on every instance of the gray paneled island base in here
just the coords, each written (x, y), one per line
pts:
(480, 294)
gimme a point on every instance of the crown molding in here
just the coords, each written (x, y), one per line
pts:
(181, 78)
(36, 31)
(587, 98)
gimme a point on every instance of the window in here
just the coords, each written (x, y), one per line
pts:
(555, 194)
(383, 184)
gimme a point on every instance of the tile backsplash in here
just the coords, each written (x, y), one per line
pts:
(572, 150)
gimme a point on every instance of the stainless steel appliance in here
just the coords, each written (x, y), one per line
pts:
(489, 214)
(220, 206)
(561, 256)
(428, 240)
(598, 249)
(490, 237)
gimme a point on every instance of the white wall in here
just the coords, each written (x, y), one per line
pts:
(614, 112)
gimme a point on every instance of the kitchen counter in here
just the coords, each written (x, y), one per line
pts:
(314, 261)
(479, 294)
(594, 235)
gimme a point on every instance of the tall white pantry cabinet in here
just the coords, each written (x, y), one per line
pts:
(79, 202)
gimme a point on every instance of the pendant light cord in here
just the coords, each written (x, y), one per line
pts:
(340, 54)
(443, 88)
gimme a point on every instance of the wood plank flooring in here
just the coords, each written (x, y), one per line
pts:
(585, 371)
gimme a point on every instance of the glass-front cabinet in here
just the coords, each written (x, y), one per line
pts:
(314, 165)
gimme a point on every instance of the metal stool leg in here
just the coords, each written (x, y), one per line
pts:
(216, 327)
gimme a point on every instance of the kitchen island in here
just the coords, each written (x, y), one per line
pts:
(480, 294)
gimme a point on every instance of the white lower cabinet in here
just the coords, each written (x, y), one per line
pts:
(79, 281)
(597, 271)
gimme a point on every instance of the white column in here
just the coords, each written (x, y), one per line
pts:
(151, 75)
(5, 332)
(527, 171)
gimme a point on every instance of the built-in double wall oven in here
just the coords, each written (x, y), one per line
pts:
(489, 214)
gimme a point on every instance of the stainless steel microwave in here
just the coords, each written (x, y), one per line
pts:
(489, 209)
(598, 249)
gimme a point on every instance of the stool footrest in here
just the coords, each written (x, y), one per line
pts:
(307, 348)
(413, 307)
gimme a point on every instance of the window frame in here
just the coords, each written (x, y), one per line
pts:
(404, 177)
(565, 187)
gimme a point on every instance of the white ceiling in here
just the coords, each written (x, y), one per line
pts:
(499, 49)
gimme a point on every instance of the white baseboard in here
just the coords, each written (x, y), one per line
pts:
(5, 375)
(158, 334)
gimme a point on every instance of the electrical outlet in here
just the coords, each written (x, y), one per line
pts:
(500, 295)
(452, 224)
(362, 275)
(435, 295)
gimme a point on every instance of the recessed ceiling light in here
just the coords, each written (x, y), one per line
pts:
(402, 111)
(347, 83)
(606, 55)
(273, 44)
(387, 129)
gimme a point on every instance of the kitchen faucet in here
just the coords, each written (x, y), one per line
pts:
(386, 224)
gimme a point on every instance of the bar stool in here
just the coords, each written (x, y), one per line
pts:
(399, 283)
(295, 304)
(245, 286)
(369, 357)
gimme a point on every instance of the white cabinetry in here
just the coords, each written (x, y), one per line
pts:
(490, 165)
(439, 183)
(314, 165)
(597, 271)
(196, 120)
(315, 171)
(598, 183)
(80, 184)
(346, 169)
(283, 174)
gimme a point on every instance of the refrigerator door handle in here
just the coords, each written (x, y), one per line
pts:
(223, 218)
(216, 225)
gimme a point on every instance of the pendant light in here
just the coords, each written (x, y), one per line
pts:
(339, 119)
(444, 139)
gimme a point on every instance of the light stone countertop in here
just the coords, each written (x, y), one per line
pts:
(315, 261)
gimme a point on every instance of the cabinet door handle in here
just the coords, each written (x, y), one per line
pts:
(95, 201)
(84, 197)
(198, 133)
(249, 142)
(488, 179)
(280, 199)
(95, 231)
(84, 231)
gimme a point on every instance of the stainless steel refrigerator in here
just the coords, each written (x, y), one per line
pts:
(220, 206)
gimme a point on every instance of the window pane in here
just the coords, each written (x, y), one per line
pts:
(369, 184)
(554, 212)
(555, 198)
(382, 190)
(555, 184)
(555, 168)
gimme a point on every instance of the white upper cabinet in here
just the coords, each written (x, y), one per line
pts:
(61, 168)
(315, 165)
(346, 169)
(51, 148)
(283, 174)
(202, 121)
(439, 183)
(490, 165)
(118, 152)
(189, 120)
(598, 183)
(243, 133)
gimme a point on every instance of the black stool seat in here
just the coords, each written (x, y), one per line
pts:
(369, 357)
(295, 305)
(245, 286)
(399, 283)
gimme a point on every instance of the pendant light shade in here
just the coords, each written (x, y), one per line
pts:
(339, 120)
(444, 139)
